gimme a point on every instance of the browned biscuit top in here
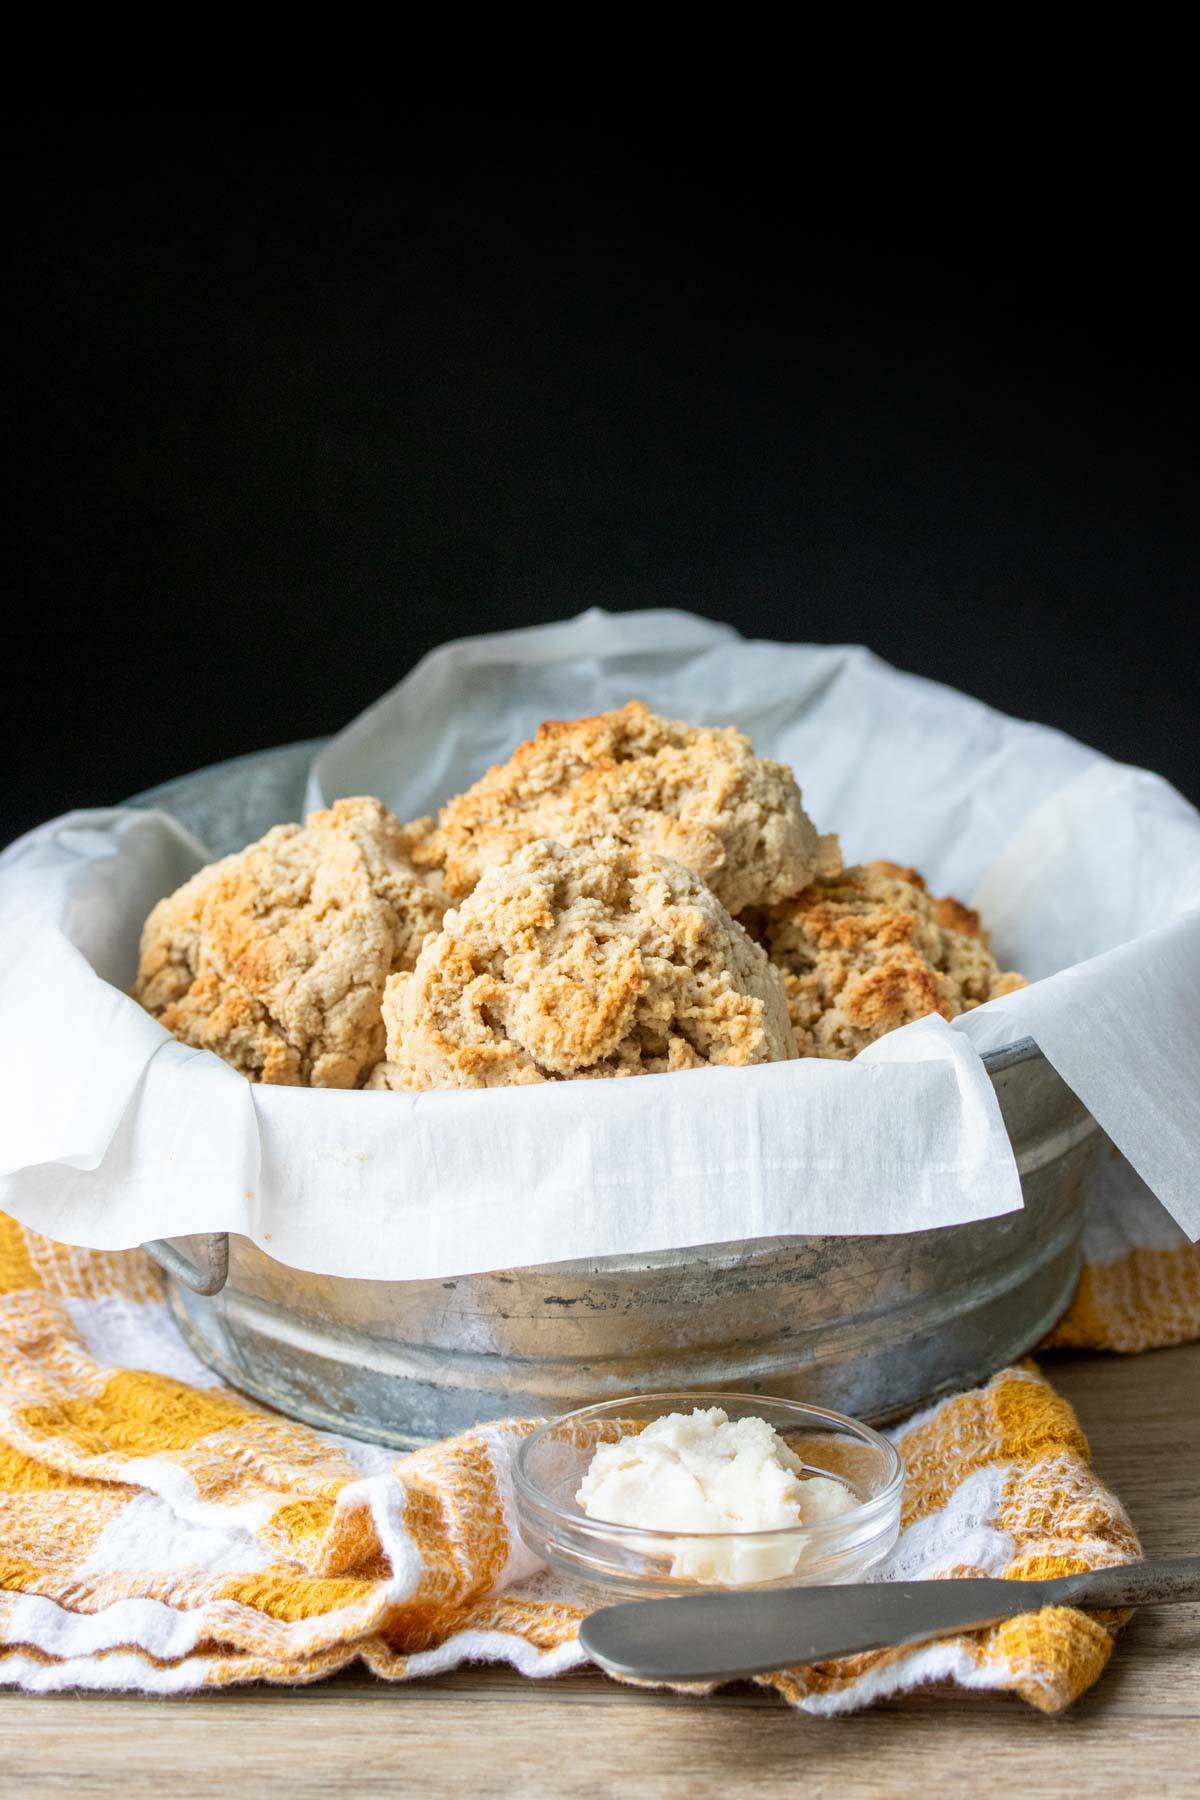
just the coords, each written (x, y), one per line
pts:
(694, 793)
(868, 950)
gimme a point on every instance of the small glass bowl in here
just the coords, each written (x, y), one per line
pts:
(627, 1562)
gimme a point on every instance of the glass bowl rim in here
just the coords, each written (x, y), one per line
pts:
(534, 1497)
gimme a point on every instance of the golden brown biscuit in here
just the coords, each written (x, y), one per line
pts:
(868, 950)
(690, 792)
(578, 962)
(276, 957)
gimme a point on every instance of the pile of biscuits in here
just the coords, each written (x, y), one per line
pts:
(626, 895)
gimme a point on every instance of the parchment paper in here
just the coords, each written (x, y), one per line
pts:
(1089, 874)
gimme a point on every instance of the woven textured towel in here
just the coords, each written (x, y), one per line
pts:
(160, 1533)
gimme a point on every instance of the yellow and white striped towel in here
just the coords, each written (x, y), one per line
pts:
(161, 1533)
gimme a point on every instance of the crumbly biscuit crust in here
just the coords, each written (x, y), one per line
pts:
(587, 961)
(694, 793)
(276, 957)
(868, 950)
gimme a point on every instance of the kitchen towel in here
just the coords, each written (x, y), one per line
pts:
(159, 1533)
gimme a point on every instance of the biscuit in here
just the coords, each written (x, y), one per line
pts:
(589, 961)
(276, 957)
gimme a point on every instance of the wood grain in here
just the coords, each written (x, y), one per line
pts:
(485, 1730)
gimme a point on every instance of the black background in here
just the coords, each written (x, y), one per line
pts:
(293, 405)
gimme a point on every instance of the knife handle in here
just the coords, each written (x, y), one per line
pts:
(1130, 1584)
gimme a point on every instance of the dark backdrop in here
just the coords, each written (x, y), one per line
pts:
(291, 407)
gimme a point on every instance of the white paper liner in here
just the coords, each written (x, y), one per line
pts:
(1089, 872)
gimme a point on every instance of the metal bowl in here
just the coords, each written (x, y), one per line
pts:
(871, 1326)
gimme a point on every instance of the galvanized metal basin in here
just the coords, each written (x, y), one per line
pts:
(873, 1326)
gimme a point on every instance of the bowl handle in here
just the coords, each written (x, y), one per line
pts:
(207, 1280)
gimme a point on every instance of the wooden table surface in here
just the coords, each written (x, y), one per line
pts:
(487, 1731)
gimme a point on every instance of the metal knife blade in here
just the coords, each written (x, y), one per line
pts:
(715, 1637)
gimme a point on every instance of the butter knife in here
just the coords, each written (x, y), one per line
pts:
(720, 1637)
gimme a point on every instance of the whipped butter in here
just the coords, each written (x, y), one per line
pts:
(705, 1472)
